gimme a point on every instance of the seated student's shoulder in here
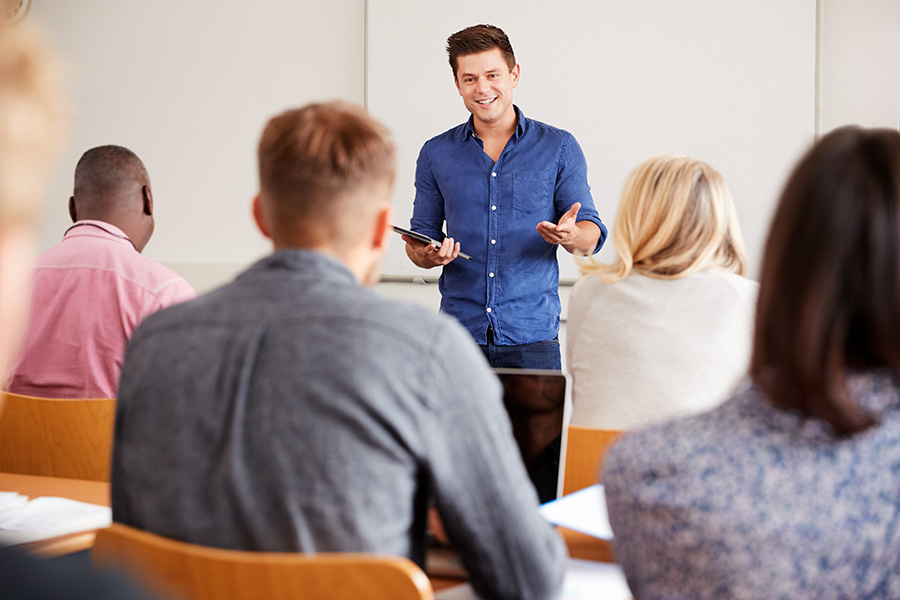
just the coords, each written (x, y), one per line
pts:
(738, 285)
(688, 448)
(417, 325)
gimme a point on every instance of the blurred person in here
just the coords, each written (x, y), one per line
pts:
(664, 331)
(296, 410)
(32, 126)
(790, 488)
(93, 289)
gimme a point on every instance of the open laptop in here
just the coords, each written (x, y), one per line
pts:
(539, 405)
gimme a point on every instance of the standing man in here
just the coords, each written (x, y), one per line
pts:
(511, 190)
(93, 289)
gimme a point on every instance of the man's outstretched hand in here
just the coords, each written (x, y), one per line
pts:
(576, 237)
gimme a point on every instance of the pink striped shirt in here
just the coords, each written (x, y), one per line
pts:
(90, 293)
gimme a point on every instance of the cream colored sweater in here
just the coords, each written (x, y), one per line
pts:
(644, 350)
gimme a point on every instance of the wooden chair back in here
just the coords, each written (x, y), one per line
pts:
(585, 450)
(57, 438)
(178, 569)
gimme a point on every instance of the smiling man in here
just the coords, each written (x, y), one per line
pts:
(510, 189)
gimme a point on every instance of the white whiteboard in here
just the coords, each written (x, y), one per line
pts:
(188, 86)
(729, 81)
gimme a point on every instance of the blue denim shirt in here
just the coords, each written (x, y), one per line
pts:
(492, 210)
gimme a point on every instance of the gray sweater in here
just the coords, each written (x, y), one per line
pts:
(748, 501)
(294, 410)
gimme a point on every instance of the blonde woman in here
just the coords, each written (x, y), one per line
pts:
(665, 330)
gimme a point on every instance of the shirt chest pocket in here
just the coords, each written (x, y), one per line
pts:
(533, 192)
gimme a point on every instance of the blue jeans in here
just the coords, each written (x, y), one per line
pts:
(539, 355)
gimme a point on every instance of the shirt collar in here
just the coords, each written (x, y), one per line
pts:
(307, 261)
(521, 124)
(85, 227)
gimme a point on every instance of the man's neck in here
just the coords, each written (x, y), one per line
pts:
(502, 129)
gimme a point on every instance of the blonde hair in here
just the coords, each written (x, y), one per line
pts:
(676, 217)
(32, 120)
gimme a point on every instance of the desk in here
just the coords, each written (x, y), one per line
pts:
(587, 547)
(97, 492)
(449, 571)
(35, 486)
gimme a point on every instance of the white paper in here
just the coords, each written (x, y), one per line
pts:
(584, 580)
(584, 511)
(48, 516)
(12, 500)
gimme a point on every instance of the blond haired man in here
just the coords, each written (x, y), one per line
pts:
(296, 410)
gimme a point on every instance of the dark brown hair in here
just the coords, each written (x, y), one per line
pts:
(829, 298)
(314, 164)
(476, 39)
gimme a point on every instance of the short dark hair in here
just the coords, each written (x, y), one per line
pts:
(476, 39)
(314, 160)
(102, 173)
(829, 298)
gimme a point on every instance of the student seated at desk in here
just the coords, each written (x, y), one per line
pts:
(791, 489)
(295, 410)
(665, 330)
(92, 289)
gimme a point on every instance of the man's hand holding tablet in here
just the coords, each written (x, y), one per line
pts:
(428, 252)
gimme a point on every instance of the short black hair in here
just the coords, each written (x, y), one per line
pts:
(102, 172)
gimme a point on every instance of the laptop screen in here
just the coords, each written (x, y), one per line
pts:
(537, 404)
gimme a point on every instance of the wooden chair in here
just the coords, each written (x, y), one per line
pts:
(192, 572)
(58, 438)
(585, 449)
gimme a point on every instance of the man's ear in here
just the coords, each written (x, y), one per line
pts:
(148, 200)
(515, 75)
(258, 217)
(456, 83)
(72, 212)
(382, 232)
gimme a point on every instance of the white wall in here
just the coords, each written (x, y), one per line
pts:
(189, 86)
(716, 79)
(860, 62)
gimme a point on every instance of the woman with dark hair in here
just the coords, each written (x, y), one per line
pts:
(791, 489)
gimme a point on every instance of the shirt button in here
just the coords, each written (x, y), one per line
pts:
(490, 274)
(494, 207)
(493, 174)
(493, 241)
(489, 310)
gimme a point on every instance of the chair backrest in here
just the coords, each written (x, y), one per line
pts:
(191, 572)
(585, 450)
(57, 438)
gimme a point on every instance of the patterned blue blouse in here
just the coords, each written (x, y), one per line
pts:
(748, 501)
